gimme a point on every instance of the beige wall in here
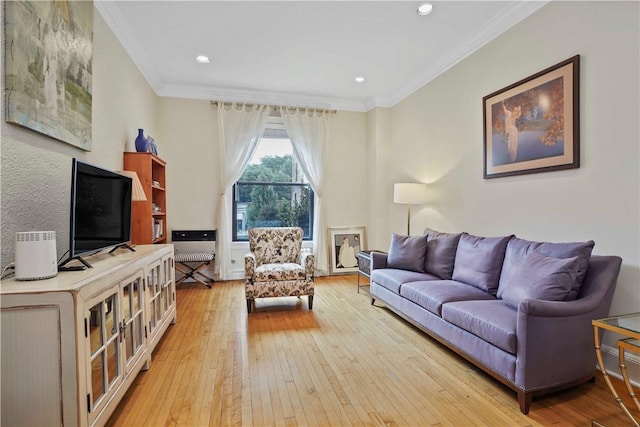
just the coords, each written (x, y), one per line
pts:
(437, 138)
(36, 170)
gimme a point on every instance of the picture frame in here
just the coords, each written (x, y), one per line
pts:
(533, 125)
(48, 72)
(344, 245)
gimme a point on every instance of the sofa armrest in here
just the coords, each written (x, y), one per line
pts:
(308, 260)
(378, 260)
(555, 339)
(249, 266)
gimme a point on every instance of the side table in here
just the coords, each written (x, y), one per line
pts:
(364, 266)
(629, 327)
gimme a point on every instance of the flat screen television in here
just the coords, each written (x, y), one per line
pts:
(100, 210)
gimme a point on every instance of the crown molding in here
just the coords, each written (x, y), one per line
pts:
(505, 20)
(259, 97)
(112, 14)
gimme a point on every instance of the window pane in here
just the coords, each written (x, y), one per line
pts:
(272, 191)
(273, 205)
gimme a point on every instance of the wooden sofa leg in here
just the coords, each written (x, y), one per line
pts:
(373, 300)
(524, 399)
(310, 302)
(249, 305)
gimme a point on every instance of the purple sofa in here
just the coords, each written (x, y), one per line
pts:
(519, 310)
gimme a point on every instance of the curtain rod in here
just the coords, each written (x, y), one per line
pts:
(216, 103)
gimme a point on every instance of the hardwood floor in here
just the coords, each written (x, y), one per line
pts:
(344, 363)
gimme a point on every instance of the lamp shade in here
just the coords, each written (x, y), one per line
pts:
(137, 192)
(409, 193)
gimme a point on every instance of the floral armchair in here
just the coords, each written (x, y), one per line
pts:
(277, 266)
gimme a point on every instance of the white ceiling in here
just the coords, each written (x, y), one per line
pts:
(303, 53)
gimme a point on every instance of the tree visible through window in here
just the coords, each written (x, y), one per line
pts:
(272, 192)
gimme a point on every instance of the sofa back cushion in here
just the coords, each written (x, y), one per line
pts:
(519, 249)
(441, 253)
(407, 252)
(479, 261)
(543, 277)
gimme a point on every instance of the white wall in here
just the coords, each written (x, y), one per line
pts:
(437, 138)
(36, 170)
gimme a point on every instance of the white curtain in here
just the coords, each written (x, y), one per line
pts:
(240, 127)
(309, 132)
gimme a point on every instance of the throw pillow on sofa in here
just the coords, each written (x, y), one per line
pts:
(479, 261)
(407, 252)
(542, 277)
(441, 253)
(519, 249)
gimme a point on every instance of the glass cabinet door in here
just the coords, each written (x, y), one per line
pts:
(132, 324)
(154, 289)
(103, 332)
(168, 294)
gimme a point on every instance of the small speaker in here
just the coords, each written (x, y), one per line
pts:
(36, 256)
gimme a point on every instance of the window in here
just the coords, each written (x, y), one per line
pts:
(272, 192)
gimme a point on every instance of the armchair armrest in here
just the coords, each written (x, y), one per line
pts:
(308, 260)
(249, 266)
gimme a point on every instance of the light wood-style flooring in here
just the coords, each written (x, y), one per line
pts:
(343, 363)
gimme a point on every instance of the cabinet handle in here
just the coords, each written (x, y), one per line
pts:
(123, 330)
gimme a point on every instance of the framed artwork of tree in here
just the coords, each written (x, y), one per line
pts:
(534, 125)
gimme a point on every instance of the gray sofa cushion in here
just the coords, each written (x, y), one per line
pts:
(493, 321)
(392, 279)
(441, 253)
(479, 261)
(518, 249)
(407, 252)
(542, 277)
(432, 294)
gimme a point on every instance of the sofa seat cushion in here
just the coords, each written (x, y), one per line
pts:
(392, 279)
(284, 271)
(493, 321)
(432, 294)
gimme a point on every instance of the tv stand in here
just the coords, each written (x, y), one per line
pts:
(124, 245)
(61, 266)
(73, 344)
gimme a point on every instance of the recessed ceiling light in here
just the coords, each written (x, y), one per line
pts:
(202, 59)
(359, 79)
(425, 9)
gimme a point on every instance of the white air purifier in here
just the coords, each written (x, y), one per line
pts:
(36, 256)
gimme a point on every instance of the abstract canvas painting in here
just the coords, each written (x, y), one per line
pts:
(48, 68)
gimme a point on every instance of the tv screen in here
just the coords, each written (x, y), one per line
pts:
(100, 209)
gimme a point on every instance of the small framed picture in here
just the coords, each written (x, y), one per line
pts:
(533, 125)
(344, 245)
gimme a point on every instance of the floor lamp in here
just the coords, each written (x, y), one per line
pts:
(409, 193)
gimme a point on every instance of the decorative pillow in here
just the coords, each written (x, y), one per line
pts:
(407, 252)
(542, 277)
(479, 261)
(519, 249)
(441, 253)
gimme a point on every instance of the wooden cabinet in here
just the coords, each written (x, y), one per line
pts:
(149, 218)
(73, 344)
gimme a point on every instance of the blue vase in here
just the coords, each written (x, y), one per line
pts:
(142, 144)
(152, 147)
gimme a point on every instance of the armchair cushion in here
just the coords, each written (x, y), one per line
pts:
(278, 272)
(272, 245)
